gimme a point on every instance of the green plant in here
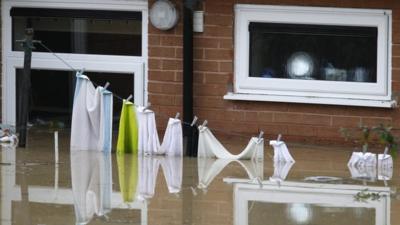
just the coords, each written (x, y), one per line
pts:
(364, 135)
(387, 139)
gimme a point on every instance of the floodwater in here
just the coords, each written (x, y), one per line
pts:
(95, 188)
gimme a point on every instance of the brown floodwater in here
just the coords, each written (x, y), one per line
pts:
(88, 187)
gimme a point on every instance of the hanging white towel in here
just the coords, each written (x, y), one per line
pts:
(209, 146)
(209, 168)
(360, 159)
(385, 167)
(148, 172)
(281, 170)
(281, 152)
(148, 137)
(91, 184)
(91, 117)
(173, 140)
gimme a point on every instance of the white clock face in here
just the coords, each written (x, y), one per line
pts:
(163, 15)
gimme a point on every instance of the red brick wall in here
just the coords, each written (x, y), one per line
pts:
(213, 75)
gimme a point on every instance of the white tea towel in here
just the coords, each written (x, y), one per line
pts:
(91, 184)
(91, 125)
(385, 167)
(360, 159)
(148, 142)
(173, 141)
(209, 146)
(281, 152)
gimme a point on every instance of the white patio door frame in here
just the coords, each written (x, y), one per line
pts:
(12, 60)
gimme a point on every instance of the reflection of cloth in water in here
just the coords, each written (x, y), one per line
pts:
(209, 168)
(128, 129)
(281, 152)
(209, 146)
(148, 136)
(148, 171)
(91, 184)
(91, 124)
(385, 167)
(363, 172)
(128, 175)
(281, 170)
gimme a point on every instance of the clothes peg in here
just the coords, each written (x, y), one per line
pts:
(194, 121)
(279, 138)
(261, 134)
(106, 85)
(82, 71)
(177, 115)
(129, 98)
(204, 123)
(148, 106)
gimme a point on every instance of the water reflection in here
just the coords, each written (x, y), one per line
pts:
(128, 176)
(148, 170)
(209, 168)
(91, 184)
(307, 203)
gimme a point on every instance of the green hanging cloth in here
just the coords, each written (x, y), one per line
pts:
(128, 175)
(128, 129)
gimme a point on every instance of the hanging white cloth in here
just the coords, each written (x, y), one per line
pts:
(91, 125)
(281, 170)
(173, 139)
(148, 171)
(91, 184)
(209, 146)
(209, 168)
(281, 152)
(360, 159)
(148, 142)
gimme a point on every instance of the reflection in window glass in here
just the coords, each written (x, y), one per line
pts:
(267, 213)
(313, 52)
(52, 93)
(80, 31)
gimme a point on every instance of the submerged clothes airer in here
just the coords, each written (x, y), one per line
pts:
(209, 146)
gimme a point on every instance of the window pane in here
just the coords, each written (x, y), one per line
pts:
(52, 93)
(313, 52)
(80, 31)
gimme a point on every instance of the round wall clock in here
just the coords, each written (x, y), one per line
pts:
(163, 15)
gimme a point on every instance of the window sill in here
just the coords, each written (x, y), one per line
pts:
(311, 100)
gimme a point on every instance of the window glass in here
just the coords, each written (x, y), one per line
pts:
(80, 31)
(52, 92)
(313, 52)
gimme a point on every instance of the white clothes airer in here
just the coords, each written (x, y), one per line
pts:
(281, 151)
(209, 168)
(148, 172)
(91, 177)
(149, 143)
(209, 146)
(91, 125)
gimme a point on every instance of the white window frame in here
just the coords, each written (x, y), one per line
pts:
(12, 60)
(289, 192)
(377, 94)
